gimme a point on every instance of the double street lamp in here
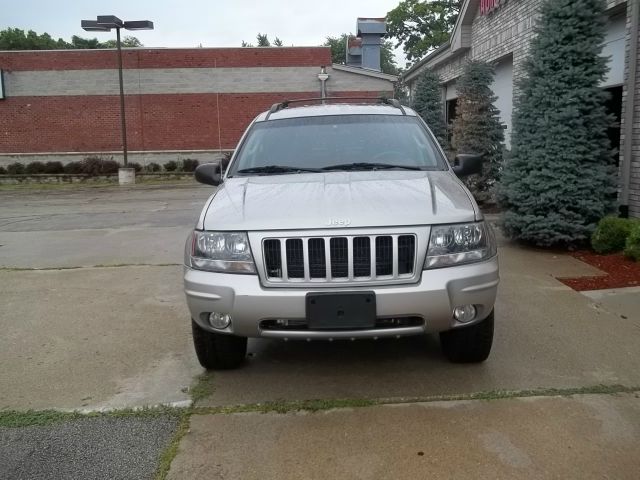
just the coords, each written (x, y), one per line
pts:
(106, 23)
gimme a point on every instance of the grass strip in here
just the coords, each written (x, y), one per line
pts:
(16, 419)
(318, 405)
(202, 387)
(170, 452)
(29, 418)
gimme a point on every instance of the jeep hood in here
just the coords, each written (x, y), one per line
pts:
(338, 199)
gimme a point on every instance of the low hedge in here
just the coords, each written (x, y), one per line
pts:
(171, 166)
(611, 234)
(15, 168)
(632, 245)
(96, 165)
(189, 164)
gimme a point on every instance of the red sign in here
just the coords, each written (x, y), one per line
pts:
(487, 6)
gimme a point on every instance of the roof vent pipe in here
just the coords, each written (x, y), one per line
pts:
(323, 76)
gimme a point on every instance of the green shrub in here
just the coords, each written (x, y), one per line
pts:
(53, 168)
(3, 171)
(95, 165)
(632, 245)
(171, 166)
(72, 168)
(15, 168)
(34, 168)
(135, 165)
(189, 164)
(611, 234)
(224, 161)
(153, 167)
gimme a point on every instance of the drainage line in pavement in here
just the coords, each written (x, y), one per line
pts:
(117, 265)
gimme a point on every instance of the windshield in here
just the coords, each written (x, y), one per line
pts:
(336, 142)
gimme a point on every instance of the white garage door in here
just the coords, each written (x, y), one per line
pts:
(503, 88)
(614, 49)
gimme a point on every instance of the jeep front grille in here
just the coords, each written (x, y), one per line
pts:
(358, 258)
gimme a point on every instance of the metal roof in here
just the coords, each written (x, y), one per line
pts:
(371, 26)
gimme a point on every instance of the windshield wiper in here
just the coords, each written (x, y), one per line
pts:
(369, 166)
(277, 169)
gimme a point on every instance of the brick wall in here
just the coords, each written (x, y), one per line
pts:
(506, 31)
(634, 180)
(166, 58)
(184, 100)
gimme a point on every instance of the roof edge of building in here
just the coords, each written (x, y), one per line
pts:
(365, 71)
(443, 49)
(163, 49)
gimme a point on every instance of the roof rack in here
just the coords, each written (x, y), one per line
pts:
(285, 104)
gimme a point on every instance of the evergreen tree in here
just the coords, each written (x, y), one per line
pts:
(427, 102)
(560, 180)
(263, 40)
(477, 128)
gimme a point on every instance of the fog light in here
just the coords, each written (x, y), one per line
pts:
(464, 313)
(219, 320)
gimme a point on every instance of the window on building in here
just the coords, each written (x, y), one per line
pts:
(614, 107)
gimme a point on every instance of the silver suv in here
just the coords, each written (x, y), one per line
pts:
(340, 221)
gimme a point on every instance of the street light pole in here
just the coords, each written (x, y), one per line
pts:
(123, 121)
(105, 23)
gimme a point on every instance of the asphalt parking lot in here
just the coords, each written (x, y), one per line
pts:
(94, 319)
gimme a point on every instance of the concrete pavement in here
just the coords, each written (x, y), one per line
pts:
(97, 226)
(621, 301)
(94, 338)
(547, 335)
(583, 437)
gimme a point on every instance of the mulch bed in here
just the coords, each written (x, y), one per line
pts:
(621, 272)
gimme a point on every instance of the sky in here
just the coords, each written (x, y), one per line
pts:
(189, 23)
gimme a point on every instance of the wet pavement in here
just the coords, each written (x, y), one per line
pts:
(111, 331)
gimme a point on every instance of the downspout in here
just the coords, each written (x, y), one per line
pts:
(629, 109)
(323, 76)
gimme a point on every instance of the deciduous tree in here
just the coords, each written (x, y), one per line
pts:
(422, 25)
(16, 39)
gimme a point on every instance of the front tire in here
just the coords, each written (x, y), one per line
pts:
(217, 351)
(468, 344)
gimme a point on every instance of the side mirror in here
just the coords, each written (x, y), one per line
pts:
(467, 164)
(209, 174)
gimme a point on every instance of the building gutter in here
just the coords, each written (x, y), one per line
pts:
(412, 72)
(629, 109)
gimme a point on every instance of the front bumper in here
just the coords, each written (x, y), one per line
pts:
(432, 299)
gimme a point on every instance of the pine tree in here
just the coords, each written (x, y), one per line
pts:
(560, 180)
(477, 128)
(428, 103)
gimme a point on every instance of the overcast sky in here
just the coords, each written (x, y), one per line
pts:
(212, 23)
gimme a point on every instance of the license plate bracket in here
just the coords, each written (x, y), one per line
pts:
(337, 311)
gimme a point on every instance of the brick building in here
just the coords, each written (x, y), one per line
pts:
(499, 32)
(64, 104)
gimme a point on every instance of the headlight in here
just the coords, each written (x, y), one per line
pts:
(461, 243)
(219, 252)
